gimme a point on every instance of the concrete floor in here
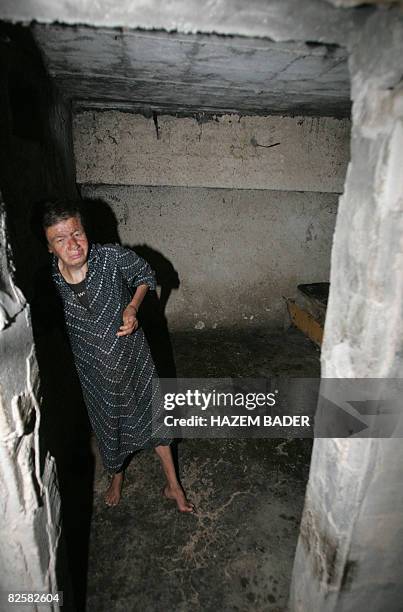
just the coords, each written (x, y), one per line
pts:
(237, 553)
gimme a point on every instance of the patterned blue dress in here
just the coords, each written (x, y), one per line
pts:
(116, 373)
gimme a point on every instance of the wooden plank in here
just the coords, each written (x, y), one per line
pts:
(305, 322)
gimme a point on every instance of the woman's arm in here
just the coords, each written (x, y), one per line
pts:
(130, 322)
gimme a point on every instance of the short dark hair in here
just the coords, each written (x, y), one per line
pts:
(54, 211)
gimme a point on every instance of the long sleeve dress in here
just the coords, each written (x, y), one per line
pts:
(116, 373)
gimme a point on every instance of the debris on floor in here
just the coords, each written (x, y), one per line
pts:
(236, 553)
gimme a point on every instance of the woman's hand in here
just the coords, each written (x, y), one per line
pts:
(130, 322)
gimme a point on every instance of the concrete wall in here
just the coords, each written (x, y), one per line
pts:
(310, 154)
(241, 224)
(349, 555)
(235, 252)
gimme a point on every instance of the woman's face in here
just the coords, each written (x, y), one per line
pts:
(68, 241)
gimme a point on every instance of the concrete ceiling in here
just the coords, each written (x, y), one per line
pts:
(119, 68)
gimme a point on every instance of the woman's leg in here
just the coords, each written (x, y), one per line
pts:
(113, 494)
(173, 489)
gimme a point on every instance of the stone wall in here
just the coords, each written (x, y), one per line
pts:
(29, 500)
(349, 553)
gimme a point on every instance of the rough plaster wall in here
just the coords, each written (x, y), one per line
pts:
(349, 555)
(236, 252)
(240, 223)
(310, 154)
(29, 498)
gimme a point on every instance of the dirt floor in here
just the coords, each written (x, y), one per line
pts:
(236, 554)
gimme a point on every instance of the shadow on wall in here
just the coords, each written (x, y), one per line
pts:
(102, 227)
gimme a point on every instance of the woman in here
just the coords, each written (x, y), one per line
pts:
(102, 287)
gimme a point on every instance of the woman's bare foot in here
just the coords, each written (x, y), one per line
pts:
(177, 494)
(112, 495)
